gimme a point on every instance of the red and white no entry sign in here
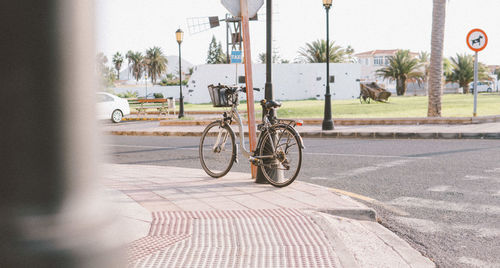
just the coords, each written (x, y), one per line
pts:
(477, 40)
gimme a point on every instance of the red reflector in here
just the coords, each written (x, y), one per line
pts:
(299, 123)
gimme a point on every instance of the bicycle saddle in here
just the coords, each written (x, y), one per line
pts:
(271, 104)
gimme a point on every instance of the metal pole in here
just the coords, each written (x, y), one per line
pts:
(228, 59)
(269, 92)
(327, 119)
(252, 130)
(51, 212)
(476, 61)
(181, 98)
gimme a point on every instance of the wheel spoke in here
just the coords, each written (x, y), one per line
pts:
(283, 167)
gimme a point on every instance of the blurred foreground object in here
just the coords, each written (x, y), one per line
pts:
(51, 214)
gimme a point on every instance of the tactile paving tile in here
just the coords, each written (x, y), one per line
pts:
(246, 238)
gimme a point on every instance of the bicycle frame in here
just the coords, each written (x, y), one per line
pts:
(234, 115)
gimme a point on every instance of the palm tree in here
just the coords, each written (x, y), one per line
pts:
(156, 63)
(136, 59)
(436, 63)
(276, 58)
(117, 61)
(101, 61)
(402, 68)
(463, 71)
(129, 61)
(423, 58)
(497, 72)
(316, 52)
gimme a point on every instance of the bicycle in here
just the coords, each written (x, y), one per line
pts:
(278, 153)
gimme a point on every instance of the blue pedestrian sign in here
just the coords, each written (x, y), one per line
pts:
(236, 56)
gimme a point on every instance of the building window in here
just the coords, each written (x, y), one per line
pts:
(378, 61)
(387, 60)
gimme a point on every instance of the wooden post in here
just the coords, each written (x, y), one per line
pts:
(252, 135)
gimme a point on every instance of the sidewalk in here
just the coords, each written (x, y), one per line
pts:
(434, 131)
(179, 217)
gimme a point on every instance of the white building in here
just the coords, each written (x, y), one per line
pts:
(290, 81)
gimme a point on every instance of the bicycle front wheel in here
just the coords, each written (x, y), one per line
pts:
(217, 149)
(281, 154)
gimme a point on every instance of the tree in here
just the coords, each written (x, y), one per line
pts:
(436, 62)
(423, 58)
(402, 68)
(101, 61)
(463, 71)
(105, 73)
(156, 63)
(447, 69)
(497, 72)
(128, 56)
(117, 61)
(215, 53)
(136, 59)
(276, 58)
(316, 52)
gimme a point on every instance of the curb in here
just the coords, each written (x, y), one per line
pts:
(368, 121)
(320, 134)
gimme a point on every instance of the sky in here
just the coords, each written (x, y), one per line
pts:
(137, 25)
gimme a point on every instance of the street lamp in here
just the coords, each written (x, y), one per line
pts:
(178, 35)
(327, 119)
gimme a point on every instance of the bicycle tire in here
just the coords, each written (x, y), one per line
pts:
(209, 158)
(271, 168)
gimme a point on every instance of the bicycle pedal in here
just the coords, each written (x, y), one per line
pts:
(254, 161)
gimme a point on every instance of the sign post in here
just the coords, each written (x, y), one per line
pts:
(246, 9)
(236, 58)
(477, 41)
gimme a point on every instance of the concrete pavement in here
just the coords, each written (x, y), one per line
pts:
(179, 217)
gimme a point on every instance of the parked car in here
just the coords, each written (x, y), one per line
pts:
(111, 107)
(482, 86)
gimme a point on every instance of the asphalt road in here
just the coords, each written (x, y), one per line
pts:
(443, 196)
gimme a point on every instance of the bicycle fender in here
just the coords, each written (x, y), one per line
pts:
(296, 134)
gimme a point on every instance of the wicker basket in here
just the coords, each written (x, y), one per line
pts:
(219, 96)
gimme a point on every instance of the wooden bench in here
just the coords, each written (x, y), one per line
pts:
(167, 105)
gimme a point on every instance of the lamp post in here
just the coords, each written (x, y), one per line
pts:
(178, 35)
(327, 119)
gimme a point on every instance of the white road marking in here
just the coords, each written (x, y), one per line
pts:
(414, 202)
(476, 178)
(441, 188)
(367, 155)
(477, 262)
(431, 227)
(496, 170)
(319, 178)
(363, 170)
(452, 189)
(150, 147)
(423, 226)
(394, 210)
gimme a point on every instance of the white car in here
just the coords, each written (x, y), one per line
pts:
(111, 107)
(482, 86)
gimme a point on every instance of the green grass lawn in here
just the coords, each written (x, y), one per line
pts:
(453, 105)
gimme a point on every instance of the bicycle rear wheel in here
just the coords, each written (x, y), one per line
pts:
(281, 166)
(217, 149)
